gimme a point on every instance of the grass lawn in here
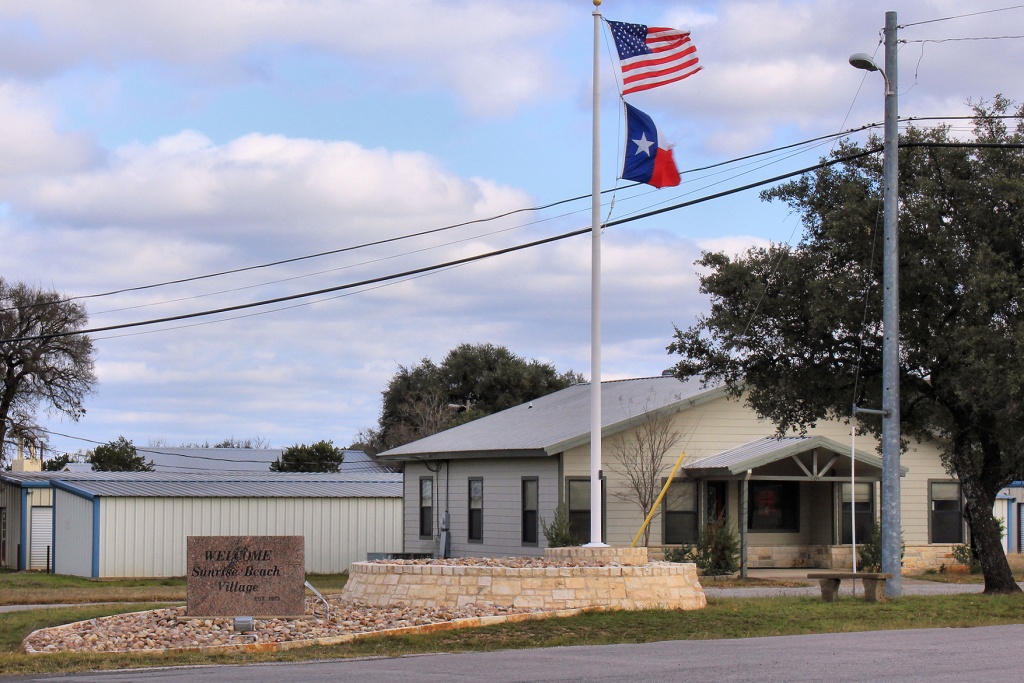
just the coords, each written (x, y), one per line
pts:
(723, 618)
(33, 588)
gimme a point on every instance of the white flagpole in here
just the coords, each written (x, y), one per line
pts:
(595, 301)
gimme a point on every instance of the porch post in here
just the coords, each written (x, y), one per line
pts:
(743, 525)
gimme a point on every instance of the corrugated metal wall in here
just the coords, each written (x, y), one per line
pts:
(10, 498)
(73, 530)
(146, 536)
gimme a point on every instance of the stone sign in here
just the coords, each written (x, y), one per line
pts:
(257, 576)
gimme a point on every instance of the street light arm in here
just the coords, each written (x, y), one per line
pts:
(862, 60)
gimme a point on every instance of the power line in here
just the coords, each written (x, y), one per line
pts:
(963, 16)
(432, 230)
(499, 252)
(448, 264)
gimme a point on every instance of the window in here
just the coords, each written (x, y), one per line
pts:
(715, 504)
(530, 495)
(680, 512)
(578, 504)
(863, 511)
(774, 506)
(426, 507)
(946, 518)
(476, 510)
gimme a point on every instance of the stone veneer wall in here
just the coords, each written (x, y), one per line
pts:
(916, 558)
(625, 582)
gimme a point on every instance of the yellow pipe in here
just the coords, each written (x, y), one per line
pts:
(661, 495)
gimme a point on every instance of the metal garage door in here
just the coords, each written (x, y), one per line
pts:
(42, 536)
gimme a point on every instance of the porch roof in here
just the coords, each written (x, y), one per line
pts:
(771, 449)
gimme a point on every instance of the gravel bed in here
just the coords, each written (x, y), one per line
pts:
(162, 628)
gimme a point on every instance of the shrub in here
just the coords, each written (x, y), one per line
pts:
(869, 554)
(716, 552)
(964, 554)
(559, 533)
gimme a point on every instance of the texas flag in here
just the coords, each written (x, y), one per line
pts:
(648, 157)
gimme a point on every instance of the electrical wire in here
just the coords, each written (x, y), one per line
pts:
(506, 250)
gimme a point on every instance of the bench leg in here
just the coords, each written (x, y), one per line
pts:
(829, 589)
(874, 590)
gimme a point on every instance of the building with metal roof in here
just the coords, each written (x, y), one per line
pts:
(486, 487)
(117, 524)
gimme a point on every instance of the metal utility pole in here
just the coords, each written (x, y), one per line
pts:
(891, 527)
(892, 545)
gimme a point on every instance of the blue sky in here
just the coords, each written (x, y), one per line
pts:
(145, 141)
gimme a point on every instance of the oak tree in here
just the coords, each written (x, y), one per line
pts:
(119, 456)
(43, 363)
(797, 329)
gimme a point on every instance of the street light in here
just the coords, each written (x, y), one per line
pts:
(891, 536)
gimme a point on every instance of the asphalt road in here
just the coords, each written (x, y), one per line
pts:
(979, 654)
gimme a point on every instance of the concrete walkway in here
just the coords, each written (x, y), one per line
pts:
(911, 586)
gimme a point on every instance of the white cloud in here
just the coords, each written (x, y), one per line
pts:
(491, 52)
(259, 188)
(29, 142)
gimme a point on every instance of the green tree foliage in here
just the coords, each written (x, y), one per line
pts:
(36, 370)
(319, 457)
(799, 328)
(472, 381)
(119, 456)
(58, 463)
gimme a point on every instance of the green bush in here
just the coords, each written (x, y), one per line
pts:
(869, 554)
(716, 552)
(964, 554)
(559, 533)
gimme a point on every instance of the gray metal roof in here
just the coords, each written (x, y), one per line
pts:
(220, 484)
(768, 450)
(558, 421)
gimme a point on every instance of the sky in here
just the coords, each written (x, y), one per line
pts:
(144, 142)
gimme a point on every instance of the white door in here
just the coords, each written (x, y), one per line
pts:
(42, 537)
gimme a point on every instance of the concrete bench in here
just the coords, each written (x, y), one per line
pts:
(874, 584)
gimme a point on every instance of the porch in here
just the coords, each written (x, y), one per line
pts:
(798, 502)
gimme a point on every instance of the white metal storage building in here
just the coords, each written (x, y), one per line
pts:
(121, 524)
(25, 520)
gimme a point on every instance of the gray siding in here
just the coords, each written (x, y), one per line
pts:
(502, 504)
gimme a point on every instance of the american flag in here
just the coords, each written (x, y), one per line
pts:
(650, 57)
